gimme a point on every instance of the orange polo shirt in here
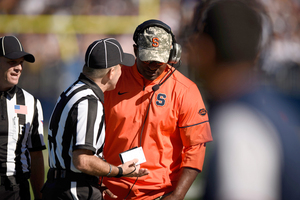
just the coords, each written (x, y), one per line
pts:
(174, 133)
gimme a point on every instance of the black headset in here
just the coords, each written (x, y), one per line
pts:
(175, 52)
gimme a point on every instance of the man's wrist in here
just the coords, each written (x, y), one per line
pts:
(120, 173)
(109, 170)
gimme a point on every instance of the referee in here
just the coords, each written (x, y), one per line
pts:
(77, 130)
(21, 127)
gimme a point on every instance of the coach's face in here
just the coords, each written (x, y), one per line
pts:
(10, 72)
(149, 69)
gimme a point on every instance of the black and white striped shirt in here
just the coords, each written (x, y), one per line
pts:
(21, 130)
(77, 122)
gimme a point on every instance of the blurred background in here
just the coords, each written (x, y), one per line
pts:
(58, 32)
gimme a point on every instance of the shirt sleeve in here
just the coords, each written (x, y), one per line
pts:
(89, 122)
(194, 128)
(194, 156)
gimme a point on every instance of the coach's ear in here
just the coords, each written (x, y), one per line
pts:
(135, 49)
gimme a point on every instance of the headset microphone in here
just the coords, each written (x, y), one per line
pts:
(155, 87)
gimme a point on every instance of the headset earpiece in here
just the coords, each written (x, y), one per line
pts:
(175, 52)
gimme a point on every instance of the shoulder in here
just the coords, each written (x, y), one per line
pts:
(239, 118)
(126, 71)
(25, 93)
(125, 68)
(181, 81)
(240, 122)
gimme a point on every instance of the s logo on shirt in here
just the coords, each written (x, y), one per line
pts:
(160, 100)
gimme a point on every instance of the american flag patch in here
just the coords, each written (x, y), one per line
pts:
(20, 109)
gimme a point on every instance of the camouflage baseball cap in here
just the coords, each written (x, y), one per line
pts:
(154, 44)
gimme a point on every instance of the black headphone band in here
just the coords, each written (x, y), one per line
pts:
(151, 23)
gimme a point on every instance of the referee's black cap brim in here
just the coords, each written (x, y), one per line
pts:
(128, 59)
(11, 48)
(27, 56)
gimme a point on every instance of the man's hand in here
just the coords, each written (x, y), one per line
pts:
(105, 191)
(132, 170)
(185, 181)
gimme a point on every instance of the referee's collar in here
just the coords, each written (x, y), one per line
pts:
(93, 86)
(11, 92)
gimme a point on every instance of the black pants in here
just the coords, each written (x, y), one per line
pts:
(62, 189)
(19, 191)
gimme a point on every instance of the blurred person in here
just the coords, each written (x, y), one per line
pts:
(286, 77)
(76, 129)
(255, 154)
(21, 127)
(157, 108)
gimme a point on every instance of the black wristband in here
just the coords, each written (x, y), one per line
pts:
(120, 172)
